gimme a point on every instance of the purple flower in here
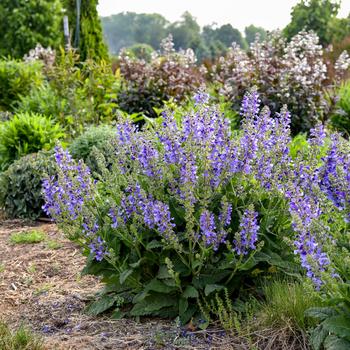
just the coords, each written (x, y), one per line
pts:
(250, 104)
(201, 98)
(114, 218)
(311, 256)
(98, 248)
(225, 214)
(207, 226)
(66, 193)
(247, 236)
(318, 135)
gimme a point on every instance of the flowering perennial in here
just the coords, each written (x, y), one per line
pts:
(188, 188)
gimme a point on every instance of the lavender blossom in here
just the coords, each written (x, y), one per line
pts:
(65, 196)
(311, 256)
(208, 227)
(201, 98)
(318, 135)
(98, 248)
(247, 236)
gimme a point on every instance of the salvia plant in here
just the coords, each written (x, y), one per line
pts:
(189, 208)
(291, 73)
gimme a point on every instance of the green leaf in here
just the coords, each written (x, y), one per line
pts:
(136, 264)
(334, 343)
(158, 286)
(153, 303)
(320, 313)
(154, 244)
(204, 279)
(190, 311)
(318, 335)
(183, 305)
(190, 292)
(124, 275)
(338, 325)
(101, 305)
(169, 282)
(139, 297)
(210, 288)
(163, 272)
(117, 314)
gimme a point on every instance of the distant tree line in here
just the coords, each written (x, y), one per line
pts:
(142, 33)
(129, 29)
(24, 23)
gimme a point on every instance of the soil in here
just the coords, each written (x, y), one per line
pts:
(41, 286)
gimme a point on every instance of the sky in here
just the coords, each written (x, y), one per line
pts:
(269, 14)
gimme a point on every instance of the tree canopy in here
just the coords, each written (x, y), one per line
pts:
(251, 32)
(316, 15)
(25, 23)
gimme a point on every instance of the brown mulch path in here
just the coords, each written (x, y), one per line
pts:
(41, 286)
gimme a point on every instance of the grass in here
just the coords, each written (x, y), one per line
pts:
(286, 303)
(30, 237)
(53, 245)
(21, 339)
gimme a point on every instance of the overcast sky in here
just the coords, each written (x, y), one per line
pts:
(269, 14)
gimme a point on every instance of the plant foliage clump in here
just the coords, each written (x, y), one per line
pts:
(21, 185)
(188, 209)
(26, 133)
(95, 138)
(169, 74)
(286, 73)
(25, 23)
(340, 120)
(17, 79)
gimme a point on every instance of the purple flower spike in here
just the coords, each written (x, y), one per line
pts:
(248, 232)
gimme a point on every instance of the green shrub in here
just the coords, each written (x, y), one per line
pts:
(98, 137)
(140, 51)
(20, 186)
(43, 100)
(341, 119)
(26, 133)
(82, 91)
(17, 79)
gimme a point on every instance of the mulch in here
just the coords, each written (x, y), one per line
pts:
(42, 288)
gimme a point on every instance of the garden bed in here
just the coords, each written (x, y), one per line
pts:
(42, 288)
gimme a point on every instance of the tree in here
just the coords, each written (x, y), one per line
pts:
(251, 31)
(140, 51)
(186, 33)
(218, 40)
(340, 28)
(25, 23)
(88, 37)
(130, 28)
(118, 31)
(227, 35)
(150, 29)
(316, 15)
